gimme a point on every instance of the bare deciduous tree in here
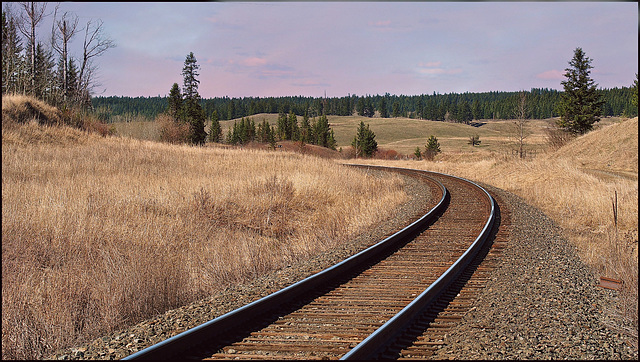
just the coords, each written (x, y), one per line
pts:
(521, 122)
(62, 31)
(95, 44)
(28, 22)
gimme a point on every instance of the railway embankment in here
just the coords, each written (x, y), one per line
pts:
(543, 302)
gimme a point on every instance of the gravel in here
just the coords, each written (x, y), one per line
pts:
(543, 302)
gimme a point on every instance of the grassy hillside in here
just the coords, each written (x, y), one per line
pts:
(101, 232)
(402, 134)
(612, 147)
(576, 186)
(71, 198)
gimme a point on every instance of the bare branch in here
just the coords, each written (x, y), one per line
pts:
(95, 44)
(60, 38)
(29, 20)
(521, 113)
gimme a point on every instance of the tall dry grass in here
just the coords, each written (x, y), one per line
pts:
(564, 186)
(99, 233)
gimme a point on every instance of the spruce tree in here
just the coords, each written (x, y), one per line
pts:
(292, 127)
(193, 113)
(382, 108)
(634, 95)
(432, 148)
(396, 110)
(417, 153)
(581, 104)
(324, 133)
(364, 142)
(284, 132)
(215, 131)
(11, 54)
(305, 130)
(174, 106)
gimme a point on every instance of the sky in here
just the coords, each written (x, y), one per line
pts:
(265, 49)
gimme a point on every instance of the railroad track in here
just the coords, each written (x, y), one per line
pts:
(372, 305)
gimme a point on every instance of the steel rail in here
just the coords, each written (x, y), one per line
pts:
(208, 330)
(383, 336)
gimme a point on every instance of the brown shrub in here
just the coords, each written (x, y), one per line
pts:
(171, 130)
(385, 154)
(556, 137)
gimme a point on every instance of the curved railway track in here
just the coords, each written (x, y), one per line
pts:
(372, 305)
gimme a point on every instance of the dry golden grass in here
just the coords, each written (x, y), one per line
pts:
(98, 233)
(18, 109)
(101, 232)
(564, 185)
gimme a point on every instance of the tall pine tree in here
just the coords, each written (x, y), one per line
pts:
(193, 113)
(581, 104)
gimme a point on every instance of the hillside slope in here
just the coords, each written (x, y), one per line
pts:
(610, 148)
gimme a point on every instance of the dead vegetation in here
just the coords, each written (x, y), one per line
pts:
(576, 184)
(101, 232)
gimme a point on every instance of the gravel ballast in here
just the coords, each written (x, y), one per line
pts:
(542, 301)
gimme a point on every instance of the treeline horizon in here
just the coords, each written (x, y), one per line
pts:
(458, 107)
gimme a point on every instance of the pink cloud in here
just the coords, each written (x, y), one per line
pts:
(440, 71)
(551, 75)
(254, 62)
(429, 64)
(435, 68)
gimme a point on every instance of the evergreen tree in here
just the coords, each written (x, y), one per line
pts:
(432, 148)
(580, 105)
(634, 95)
(369, 110)
(215, 131)
(464, 113)
(331, 140)
(284, 132)
(72, 80)
(292, 127)
(189, 74)
(474, 140)
(360, 106)
(11, 54)
(174, 102)
(417, 153)
(364, 142)
(250, 130)
(383, 108)
(420, 108)
(231, 110)
(44, 75)
(195, 117)
(396, 110)
(476, 111)
(193, 113)
(306, 133)
(323, 133)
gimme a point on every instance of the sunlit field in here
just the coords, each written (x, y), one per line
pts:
(99, 233)
(579, 186)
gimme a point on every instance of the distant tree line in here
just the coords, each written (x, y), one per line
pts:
(455, 107)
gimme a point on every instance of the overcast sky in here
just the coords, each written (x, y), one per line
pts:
(306, 48)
